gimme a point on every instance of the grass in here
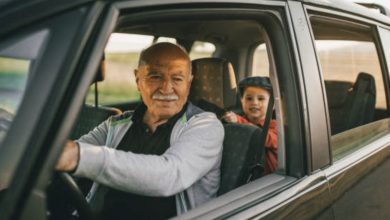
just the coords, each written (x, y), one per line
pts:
(15, 66)
(119, 85)
(113, 95)
(13, 78)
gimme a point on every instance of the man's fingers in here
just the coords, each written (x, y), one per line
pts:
(69, 158)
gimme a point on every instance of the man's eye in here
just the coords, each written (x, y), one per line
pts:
(178, 79)
(154, 77)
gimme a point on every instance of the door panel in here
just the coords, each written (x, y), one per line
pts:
(306, 198)
(360, 189)
(310, 203)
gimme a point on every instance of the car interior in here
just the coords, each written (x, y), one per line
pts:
(351, 105)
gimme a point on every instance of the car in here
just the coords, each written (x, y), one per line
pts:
(328, 62)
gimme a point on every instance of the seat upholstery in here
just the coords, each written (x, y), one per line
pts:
(214, 89)
(363, 103)
(242, 150)
(351, 105)
(338, 93)
(90, 117)
(214, 85)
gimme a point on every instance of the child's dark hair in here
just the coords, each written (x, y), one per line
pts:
(255, 81)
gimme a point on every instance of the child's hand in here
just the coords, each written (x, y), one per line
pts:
(230, 117)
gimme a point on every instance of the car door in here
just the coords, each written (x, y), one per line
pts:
(77, 32)
(354, 49)
(41, 53)
(68, 40)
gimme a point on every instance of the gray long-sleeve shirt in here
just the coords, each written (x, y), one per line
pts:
(189, 168)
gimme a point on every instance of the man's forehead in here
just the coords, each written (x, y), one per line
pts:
(168, 63)
(159, 64)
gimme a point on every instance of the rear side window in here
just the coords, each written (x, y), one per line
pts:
(201, 49)
(260, 65)
(353, 82)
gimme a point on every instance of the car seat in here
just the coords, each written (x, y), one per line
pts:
(214, 89)
(351, 105)
(214, 85)
(91, 116)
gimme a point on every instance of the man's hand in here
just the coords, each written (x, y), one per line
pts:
(69, 158)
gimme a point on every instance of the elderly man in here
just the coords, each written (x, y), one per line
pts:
(160, 160)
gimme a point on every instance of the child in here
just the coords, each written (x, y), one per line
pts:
(255, 93)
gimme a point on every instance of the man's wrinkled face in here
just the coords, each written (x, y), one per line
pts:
(164, 83)
(254, 103)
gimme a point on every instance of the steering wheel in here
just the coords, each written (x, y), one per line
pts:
(65, 196)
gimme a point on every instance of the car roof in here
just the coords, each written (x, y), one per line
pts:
(41, 7)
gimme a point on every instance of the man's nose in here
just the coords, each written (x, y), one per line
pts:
(166, 86)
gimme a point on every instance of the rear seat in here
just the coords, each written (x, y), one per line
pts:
(351, 105)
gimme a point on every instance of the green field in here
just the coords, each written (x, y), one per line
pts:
(13, 78)
(119, 85)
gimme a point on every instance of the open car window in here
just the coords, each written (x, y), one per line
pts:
(217, 40)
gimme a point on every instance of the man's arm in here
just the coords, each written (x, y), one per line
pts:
(195, 152)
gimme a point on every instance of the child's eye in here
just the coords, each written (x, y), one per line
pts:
(249, 98)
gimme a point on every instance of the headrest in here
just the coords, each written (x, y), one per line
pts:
(214, 82)
(101, 72)
(366, 82)
(337, 92)
(255, 81)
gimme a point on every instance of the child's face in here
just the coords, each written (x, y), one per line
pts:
(254, 103)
